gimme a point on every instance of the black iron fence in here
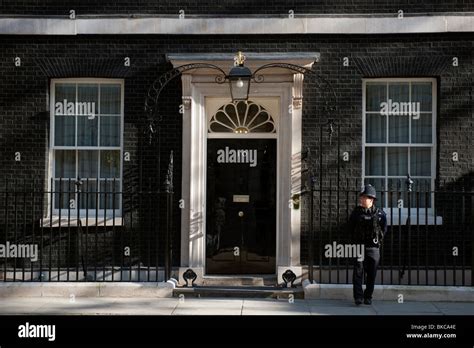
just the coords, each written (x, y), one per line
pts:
(430, 233)
(82, 230)
(429, 239)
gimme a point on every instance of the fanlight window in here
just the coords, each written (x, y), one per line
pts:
(241, 118)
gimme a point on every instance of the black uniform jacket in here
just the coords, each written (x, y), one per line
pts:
(359, 216)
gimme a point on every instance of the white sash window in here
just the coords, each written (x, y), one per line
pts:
(399, 138)
(86, 139)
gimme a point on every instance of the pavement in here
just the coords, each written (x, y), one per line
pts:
(221, 306)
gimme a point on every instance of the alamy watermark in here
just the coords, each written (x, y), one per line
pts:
(400, 109)
(336, 250)
(78, 108)
(22, 251)
(28, 330)
(228, 155)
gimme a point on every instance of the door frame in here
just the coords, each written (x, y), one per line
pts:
(264, 100)
(196, 86)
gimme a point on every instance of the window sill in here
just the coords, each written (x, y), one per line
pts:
(55, 222)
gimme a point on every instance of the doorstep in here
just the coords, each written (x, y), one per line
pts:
(391, 292)
(240, 292)
(89, 289)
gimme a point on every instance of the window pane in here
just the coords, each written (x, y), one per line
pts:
(65, 164)
(374, 161)
(422, 186)
(397, 160)
(398, 129)
(398, 93)
(88, 164)
(110, 164)
(87, 103)
(110, 198)
(399, 109)
(64, 130)
(397, 193)
(398, 184)
(86, 131)
(376, 128)
(378, 183)
(421, 129)
(420, 161)
(64, 192)
(376, 94)
(421, 93)
(65, 98)
(420, 196)
(109, 131)
(110, 99)
(88, 196)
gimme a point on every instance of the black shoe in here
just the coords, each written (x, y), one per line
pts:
(358, 301)
(367, 301)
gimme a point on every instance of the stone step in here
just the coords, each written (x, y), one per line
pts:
(239, 281)
(240, 292)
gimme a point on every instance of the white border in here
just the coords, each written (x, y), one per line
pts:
(260, 99)
(195, 135)
(433, 145)
(109, 213)
(373, 24)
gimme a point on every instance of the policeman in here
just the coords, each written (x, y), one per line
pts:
(367, 225)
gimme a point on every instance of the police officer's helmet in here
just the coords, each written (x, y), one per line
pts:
(369, 191)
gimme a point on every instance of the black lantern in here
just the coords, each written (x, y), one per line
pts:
(239, 80)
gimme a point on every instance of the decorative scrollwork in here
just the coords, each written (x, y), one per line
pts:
(169, 175)
(328, 95)
(289, 277)
(151, 101)
(293, 67)
(220, 79)
(409, 182)
(188, 275)
(330, 130)
(258, 78)
(155, 90)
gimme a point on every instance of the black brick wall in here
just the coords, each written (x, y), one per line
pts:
(24, 120)
(232, 7)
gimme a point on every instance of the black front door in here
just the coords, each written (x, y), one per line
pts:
(241, 206)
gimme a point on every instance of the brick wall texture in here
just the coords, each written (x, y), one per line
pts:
(24, 90)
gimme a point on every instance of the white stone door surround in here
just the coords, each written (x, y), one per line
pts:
(280, 85)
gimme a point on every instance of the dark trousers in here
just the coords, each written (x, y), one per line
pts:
(369, 267)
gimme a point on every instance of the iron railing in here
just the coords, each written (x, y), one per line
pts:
(430, 223)
(429, 240)
(73, 231)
